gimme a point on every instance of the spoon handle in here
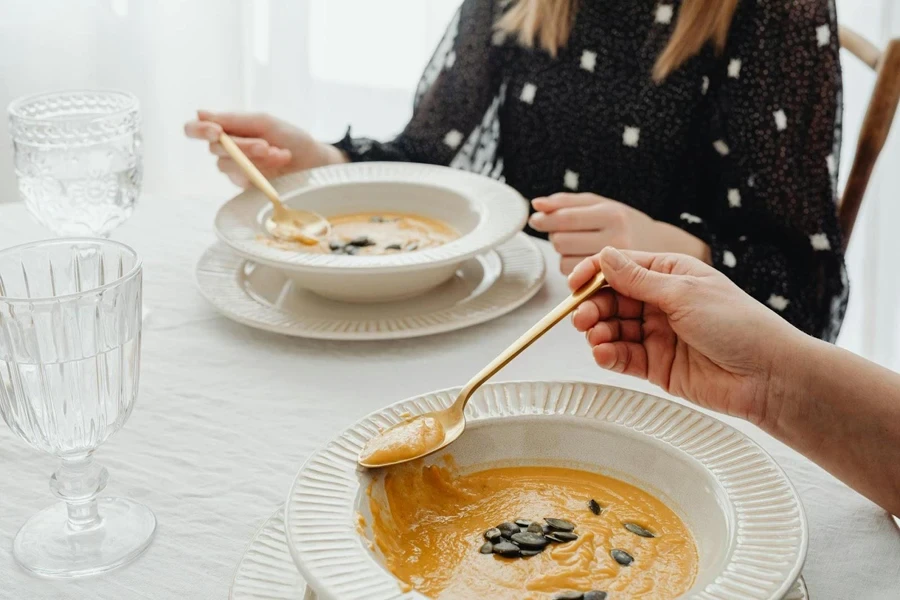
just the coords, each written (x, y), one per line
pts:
(250, 170)
(529, 337)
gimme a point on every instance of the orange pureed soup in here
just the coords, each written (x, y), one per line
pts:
(376, 234)
(429, 524)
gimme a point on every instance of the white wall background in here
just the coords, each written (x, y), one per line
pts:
(327, 63)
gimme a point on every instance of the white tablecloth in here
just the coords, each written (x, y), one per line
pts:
(227, 414)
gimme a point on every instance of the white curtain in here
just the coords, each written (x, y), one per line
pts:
(324, 64)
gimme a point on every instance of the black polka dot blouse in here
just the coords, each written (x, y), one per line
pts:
(739, 149)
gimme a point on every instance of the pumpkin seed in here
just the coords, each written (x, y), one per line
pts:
(535, 528)
(487, 548)
(507, 549)
(508, 528)
(335, 246)
(523, 522)
(529, 541)
(411, 247)
(362, 241)
(394, 247)
(638, 530)
(565, 536)
(493, 535)
(560, 524)
(621, 557)
(595, 595)
(594, 506)
(351, 250)
(569, 596)
(527, 553)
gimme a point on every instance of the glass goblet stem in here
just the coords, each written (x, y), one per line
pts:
(77, 482)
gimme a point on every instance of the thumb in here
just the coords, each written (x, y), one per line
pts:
(633, 280)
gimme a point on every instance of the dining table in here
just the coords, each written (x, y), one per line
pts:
(226, 415)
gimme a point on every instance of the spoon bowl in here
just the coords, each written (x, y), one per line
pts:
(290, 225)
(428, 433)
(444, 428)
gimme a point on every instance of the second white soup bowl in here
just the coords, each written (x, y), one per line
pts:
(484, 211)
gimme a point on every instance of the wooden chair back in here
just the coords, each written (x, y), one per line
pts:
(877, 122)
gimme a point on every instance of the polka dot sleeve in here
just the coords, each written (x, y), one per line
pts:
(453, 95)
(773, 144)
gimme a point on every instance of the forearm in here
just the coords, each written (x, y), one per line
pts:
(843, 412)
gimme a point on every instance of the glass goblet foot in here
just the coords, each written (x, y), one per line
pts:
(47, 544)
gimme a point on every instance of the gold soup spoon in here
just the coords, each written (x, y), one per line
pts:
(286, 224)
(432, 431)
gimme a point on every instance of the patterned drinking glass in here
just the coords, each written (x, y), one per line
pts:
(77, 158)
(70, 347)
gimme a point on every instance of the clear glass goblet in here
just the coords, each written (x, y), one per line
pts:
(78, 159)
(70, 348)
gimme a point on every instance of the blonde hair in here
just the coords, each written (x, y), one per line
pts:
(547, 23)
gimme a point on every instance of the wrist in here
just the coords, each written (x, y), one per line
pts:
(791, 380)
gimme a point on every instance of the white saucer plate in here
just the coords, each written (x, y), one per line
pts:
(484, 288)
(267, 572)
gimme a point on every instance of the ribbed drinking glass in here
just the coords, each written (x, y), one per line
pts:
(70, 350)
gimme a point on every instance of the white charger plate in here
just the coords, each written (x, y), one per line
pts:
(484, 288)
(746, 516)
(267, 572)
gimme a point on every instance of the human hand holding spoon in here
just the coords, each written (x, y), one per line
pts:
(432, 431)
